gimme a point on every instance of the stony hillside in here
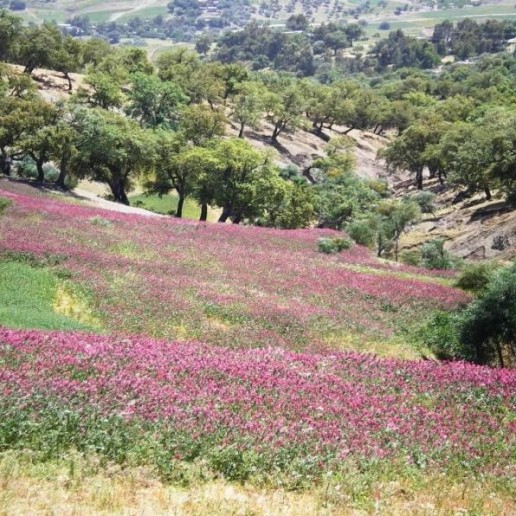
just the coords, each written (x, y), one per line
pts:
(473, 227)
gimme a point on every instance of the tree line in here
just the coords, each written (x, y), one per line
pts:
(163, 125)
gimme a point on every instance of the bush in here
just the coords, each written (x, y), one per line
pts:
(99, 221)
(333, 245)
(362, 232)
(441, 334)
(435, 256)
(425, 201)
(26, 169)
(485, 331)
(489, 326)
(476, 277)
(4, 204)
(411, 257)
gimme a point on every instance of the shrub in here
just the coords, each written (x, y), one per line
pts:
(411, 257)
(45, 260)
(425, 201)
(362, 232)
(476, 277)
(435, 256)
(26, 169)
(489, 327)
(485, 331)
(99, 221)
(4, 204)
(441, 334)
(333, 245)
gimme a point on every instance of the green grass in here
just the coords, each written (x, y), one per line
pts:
(167, 205)
(27, 298)
(147, 12)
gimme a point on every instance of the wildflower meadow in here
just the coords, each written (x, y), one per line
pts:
(241, 351)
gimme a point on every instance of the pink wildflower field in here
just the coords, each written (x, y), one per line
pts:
(228, 285)
(229, 344)
(319, 407)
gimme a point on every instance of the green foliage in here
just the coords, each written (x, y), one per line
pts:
(4, 204)
(425, 201)
(441, 334)
(404, 51)
(411, 257)
(485, 331)
(111, 149)
(475, 277)
(26, 169)
(200, 123)
(383, 226)
(248, 105)
(333, 245)
(99, 221)
(103, 90)
(435, 256)
(489, 327)
(153, 102)
(363, 231)
(469, 38)
(27, 295)
(290, 206)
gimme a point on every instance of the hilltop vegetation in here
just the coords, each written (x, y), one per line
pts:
(163, 127)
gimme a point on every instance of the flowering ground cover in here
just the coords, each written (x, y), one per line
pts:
(252, 412)
(220, 352)
(227, 285)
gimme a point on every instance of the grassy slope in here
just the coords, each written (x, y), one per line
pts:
(167, 205)
(27, 297)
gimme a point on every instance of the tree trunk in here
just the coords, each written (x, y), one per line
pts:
(275, 133)
(5, 163)
(180, 204)
(237, 219)
(226, 212)
(349, 130)
(118, 190)
(69, 79)
(241, 132)
(39, 168)
(204, 212)
(63, 172)
(500, 354)
(419, 179)
(487, 191)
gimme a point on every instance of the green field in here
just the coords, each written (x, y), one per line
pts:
(167, 205)
(29, 298)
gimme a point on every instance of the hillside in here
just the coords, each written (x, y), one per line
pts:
(219, 363)
(225, 301)
(472, 228)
